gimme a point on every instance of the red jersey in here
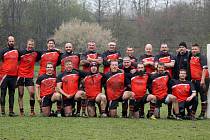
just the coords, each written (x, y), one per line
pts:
(158, 84)
(27, 62)
(49, 56)
(47, 84)
(93, 85)
(182, 90)
(89, 54)
(148, 58)
(9, 61)
(139, 85)
(75, 59)
(197, 64)
(115, 85)
(70, 81)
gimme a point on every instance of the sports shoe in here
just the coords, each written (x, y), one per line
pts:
(103, 115)
(201, 117)
(178, 118)
(12, 114)
(32, 114)
(152, 117)
(59, 115)
(171, 117)
(3, 114)
(84, 115)
(141, 116)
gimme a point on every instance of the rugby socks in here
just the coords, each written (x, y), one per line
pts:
(124, 108)
(141, 112)
(78, 106)
(40, 105)
(152, 108)
(32, 103)
(131, 107)
(58, 106)
(83, 104)
(3, 110)
(203, 108)
(169, 109)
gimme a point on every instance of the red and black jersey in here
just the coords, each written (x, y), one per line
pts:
(182, 90)
(148, 58)
(115, 84)
(9, 57)
(75, 58)
(90, 54)
(47, 84)
(27, 62)
(158, 84)
(139, 85)
(70, 81)
(197, 64)
(111, 56)
(165, 58)
(52, 56)
(93, 85)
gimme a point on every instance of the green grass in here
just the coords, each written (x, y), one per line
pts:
(25, 128)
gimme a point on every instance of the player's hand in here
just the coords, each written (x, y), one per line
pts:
(68, 96)
(202, 83)
(39, 99)
(189, 99)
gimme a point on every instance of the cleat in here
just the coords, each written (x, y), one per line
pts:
(84, 115)
(141, 116)
(3, 114)
(32, 114)
(201, 117)
(103, 115)
(59, 115)
(178, 118)
(12, 114)
(152, 117)
(171, 117)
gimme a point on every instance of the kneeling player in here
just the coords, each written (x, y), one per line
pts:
(93, 90)
(115, 84)
(159, 87)
(67, 85)
(45, 90)
(139, 83)
(185, 94)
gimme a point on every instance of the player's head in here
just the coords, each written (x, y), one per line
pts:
(68, 65)
(148, 49)
(182, 48)
(160, 67)
(11, 41)
(195, 49)
(112, 46)
(126, 62)
(114, 66)
(182, 74)
(49, 68)
(140, 67)
(93, 67)
(30, 44)
(91, 46)
(164, 48)
(68, 47)
(129, 51)
(50, 44)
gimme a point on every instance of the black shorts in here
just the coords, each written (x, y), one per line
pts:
(164, 100)
(69, 102)
(46, 100)
(139, 103)
(25, 82)
(114, 103)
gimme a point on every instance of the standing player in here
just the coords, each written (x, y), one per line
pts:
(70, 55)
(28, 58)
(93, 89)
(159, 87)
(110, 55)
(52, 55)
(68, 85)
(9, 57)
(129, 53)
(148, 59)
(182, 60)
(115, 85)
(90, 56)
(45, 90)
(200, 76)
(165, 57)
(185, 94)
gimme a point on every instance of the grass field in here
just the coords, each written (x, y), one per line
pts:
(27, 128)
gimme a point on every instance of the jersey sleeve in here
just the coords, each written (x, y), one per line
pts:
(203, 61)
